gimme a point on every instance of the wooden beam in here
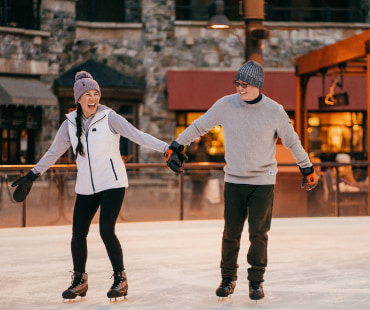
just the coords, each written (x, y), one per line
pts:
(368, 126)
(301, 114)
(298, 108)
(331, 55)
(304, 112)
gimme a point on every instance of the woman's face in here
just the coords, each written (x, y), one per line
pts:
(89, 102)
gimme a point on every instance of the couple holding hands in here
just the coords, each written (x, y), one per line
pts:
(251, 122)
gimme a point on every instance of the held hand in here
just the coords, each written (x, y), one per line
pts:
(24, 185)
(175, 157)
(310, 179)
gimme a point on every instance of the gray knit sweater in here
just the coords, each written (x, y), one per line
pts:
(250, 135)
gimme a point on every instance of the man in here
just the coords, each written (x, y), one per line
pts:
(251, 124)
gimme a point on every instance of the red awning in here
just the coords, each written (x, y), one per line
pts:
(197, 90)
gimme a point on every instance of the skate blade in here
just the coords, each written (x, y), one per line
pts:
(256, 302)
(118, 299)
(223, 299)
(74, 300)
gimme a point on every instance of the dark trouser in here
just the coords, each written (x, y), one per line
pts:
(110, 202)
(255, 203)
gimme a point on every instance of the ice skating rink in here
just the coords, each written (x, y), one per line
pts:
(314, 263)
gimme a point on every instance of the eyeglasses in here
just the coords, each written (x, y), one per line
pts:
(243, 85)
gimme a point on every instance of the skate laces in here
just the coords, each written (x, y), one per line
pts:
(226, 282)
(118, 278)
(255, 285)
(76, 279)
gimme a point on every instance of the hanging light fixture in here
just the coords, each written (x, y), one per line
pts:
(219, 21)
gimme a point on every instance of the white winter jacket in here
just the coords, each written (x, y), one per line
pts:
(101, 167)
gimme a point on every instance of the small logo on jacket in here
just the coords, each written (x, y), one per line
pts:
(94, 129)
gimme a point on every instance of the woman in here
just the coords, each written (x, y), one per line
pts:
(93, 130)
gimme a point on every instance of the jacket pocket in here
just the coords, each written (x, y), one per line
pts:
(114, 171)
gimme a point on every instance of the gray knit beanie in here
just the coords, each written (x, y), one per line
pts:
(84, 82)
(251, 73)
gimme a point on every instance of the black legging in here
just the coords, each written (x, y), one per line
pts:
(110, 202)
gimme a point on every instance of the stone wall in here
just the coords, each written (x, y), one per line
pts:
(289, 41)
(158, 35)
(59, 19)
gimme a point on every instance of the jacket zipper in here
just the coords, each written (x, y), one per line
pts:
(114, 171)
(88, 154)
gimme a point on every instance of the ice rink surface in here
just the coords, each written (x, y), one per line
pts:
(314, 263)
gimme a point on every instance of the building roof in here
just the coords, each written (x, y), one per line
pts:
(25, 92)
(347, 57)
(104, 75)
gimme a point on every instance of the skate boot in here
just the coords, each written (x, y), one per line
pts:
(78, 286)
(256, 290)
(226, 287)
(119, 287)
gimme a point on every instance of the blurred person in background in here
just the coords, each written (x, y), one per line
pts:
(197, 152)
(347, 180)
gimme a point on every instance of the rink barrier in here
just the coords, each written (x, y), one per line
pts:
(12, 170)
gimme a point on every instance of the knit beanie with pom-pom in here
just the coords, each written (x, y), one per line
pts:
(84, 82)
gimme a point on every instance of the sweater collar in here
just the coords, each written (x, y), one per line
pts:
(254, 101)
(100, 111)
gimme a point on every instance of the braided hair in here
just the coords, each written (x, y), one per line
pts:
(79, 147)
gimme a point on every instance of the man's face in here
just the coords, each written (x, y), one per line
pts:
(247, 92)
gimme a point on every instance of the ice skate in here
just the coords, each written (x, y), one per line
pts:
(119, 287)
(225, 288)
(78, 286)
(256, 290)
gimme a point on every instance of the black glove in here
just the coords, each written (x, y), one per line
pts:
(175, 157)
(24, 185)
(310, 179)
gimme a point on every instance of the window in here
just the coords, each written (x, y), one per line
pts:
(119, 11)
(315, 10)
(20, 13)
(17, 146)
(337, 132)
(9, 146)
(205, 9)
(279, 10)
(194, 9)
(17, 134)
(214, 139)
